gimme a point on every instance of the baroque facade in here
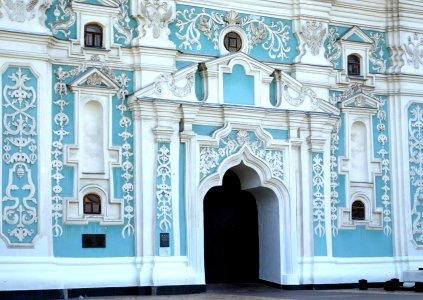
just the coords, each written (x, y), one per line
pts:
(119, 117)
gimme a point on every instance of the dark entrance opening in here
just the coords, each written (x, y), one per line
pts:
(231, 247)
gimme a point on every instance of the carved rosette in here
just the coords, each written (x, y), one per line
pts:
(20, 157)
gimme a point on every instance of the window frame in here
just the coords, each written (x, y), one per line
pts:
(91, 204)
(227, 42)
(358, 210)
(354, 68)
(93, 35)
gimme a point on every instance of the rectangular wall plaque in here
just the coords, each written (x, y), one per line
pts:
(93, 241)
(164, 239)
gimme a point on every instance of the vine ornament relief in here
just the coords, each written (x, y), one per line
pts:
(192, 24)
(20, 204)
(318, 195)
(235, 141)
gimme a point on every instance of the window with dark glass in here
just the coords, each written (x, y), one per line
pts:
(93, 36)
(92, 204)
(358, 210)
(232, 42)
(353, 65)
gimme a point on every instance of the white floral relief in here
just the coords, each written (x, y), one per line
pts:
(334, 195)
(123, 28)
(415, 138)
(61, 120)
(414, 50)
(164, 188)
(301, 96)
(20, 204)
(333, 48)
(25, 10)
(65, 17)
(386, 169)
(211, 157)
(377, 52)
(318, 195)
(314, 34)
(192, 24)
(169, 80)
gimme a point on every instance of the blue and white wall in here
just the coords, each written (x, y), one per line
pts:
(161, 122)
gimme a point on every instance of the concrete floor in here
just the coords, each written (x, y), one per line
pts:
(261, 292)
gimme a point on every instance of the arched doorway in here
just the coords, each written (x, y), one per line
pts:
(231, 241)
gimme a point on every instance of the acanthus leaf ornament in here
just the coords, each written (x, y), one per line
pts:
(314, 34)
(414, 50)
(156, 15)
(164, 188)
(123, 28)
(376, 52)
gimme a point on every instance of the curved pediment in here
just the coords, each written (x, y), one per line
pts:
(235, 79)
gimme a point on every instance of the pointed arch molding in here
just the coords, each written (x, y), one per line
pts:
(20, 167)
(254, 145)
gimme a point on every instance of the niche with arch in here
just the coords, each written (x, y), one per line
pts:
(359, 153)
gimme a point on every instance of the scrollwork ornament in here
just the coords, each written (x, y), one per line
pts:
(169, 80)
(210, 157)
(25, 10)
(302, 94)
(318, 195)
(164, 189)
(65, 17)
(386, 166)
(20, 204)
(314, 34)
(334, 184)
(376, 52)
(192, 24)
(414, 50)
(123, 28)
(415, 141)
(333, 49)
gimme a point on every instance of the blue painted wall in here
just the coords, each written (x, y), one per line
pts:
(238, 88)
(67, 241)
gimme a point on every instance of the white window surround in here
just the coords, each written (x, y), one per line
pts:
(100, 183)
(240, 32)
(360, 49)
(104, 16)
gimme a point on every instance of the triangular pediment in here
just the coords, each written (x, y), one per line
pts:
(361, 100)
(357, 35)
(240, 58)
(93, 78)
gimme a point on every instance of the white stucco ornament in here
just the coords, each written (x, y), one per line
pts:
(24, 10)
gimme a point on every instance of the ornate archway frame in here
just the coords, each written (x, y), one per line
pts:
(265, 178)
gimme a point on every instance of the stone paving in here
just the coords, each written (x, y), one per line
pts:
(260, 292)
